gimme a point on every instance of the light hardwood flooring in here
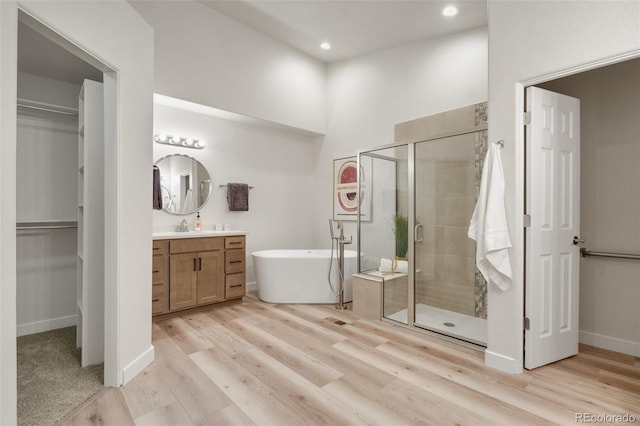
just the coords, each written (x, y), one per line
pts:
(256, 363)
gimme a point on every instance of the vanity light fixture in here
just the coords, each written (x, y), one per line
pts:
(450, 11)
(179, 141)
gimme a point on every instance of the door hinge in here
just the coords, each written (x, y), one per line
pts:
(527, 117)
(526, 220)
(526, 323)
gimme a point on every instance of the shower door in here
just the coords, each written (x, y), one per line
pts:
(449, 292)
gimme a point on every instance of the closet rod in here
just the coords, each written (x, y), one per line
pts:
(41, 106)
(52, 224)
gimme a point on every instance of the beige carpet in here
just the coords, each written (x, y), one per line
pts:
(50, 380)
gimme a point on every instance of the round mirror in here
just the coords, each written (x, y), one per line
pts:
(185, 184)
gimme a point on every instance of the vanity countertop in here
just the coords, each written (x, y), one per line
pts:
(172, 235)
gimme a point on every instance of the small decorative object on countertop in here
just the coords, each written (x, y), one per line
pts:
(198, 224)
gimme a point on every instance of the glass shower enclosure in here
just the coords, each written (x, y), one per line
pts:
(412, 233)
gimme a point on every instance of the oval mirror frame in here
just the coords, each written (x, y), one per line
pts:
(185, 184)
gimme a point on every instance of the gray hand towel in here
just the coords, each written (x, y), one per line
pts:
(157, 192)
(238, 197)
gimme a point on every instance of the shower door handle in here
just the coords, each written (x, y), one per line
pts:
(416, 233)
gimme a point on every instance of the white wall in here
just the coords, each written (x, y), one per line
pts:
(8, 89)
(208, 58)
(368, 95)
(530, 39)
(609, 202)
(42, 89)
(47, 164)
(130, 51)
(278, 164)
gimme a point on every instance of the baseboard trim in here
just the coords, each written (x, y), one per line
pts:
(137, 365)
(611, 343)
(45, 325)
(502, 362)
(252, 286)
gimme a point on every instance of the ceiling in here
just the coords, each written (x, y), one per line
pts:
(41, 56)
(352, 27)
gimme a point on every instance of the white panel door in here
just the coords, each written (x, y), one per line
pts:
(553, 202)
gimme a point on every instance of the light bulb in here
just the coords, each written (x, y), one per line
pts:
(325, 45)
(450, 11)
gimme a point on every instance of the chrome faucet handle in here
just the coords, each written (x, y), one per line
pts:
(183, 226)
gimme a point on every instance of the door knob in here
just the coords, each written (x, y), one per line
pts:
(577, 240)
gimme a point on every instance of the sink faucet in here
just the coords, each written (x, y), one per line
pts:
(183, 227)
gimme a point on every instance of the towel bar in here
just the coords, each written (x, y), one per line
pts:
(222, 186)
(584, 252)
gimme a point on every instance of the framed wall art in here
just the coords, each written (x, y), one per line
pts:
(345, 189)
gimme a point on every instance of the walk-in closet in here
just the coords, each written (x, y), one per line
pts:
(59, 228)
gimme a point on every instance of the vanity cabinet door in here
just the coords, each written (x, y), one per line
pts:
(210, 276)
(183, 288)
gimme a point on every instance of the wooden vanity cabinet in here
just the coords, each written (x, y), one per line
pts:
(190, 272)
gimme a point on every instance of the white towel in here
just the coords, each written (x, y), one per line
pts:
(489, 224)
(390, 266)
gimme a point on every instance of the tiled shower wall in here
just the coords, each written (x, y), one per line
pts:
(446, 193)
(445, 198)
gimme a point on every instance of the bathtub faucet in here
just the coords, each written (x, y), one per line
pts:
(341, 242)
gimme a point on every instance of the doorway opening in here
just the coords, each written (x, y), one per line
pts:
(609, 198)
(60, 226)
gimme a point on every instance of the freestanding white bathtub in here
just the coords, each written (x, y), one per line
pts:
(300, 276)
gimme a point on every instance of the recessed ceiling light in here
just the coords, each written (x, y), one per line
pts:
(325, 46)
(450, 11)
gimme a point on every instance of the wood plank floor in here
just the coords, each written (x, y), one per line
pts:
(260, 364)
